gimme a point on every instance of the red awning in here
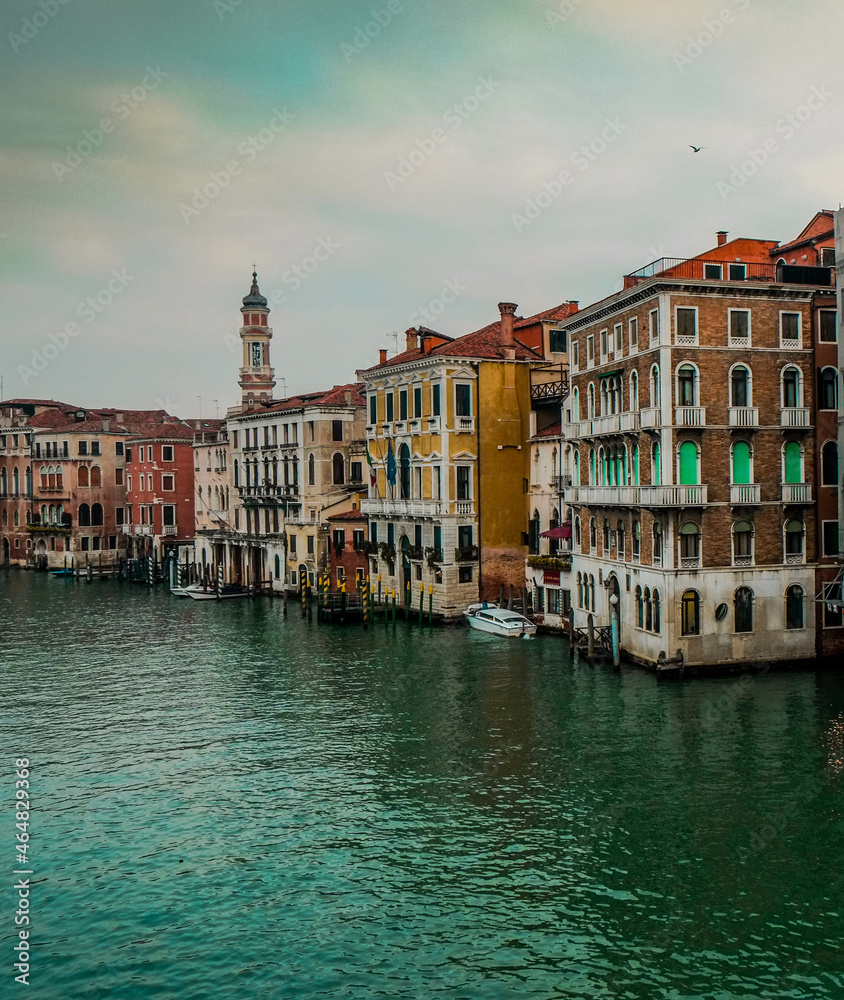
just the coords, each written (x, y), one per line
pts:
(563, 531)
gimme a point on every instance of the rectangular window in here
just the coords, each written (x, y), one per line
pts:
(118, 477)
(310, 544)
(310, 431)
(590, 350)
(417, 536)
(339, 539)
(143, 514)
(464, 574)
(86, 543)
(686, 320)
(633, 333)
(417, 401)
(712, 271)
(168, 515)
(737, 272)
(358, 537)
(618, 338)
(235, 436)
(739, 327)
(390, 406)
(830, 538)
(168, 483)
(119, 515)
(558, 341)
(357, 472)
(118, 448)
(435, 399)
(96, 543)
(141, 453)
(827, 326)
(95, 447)
(653, 319)
(463, 482)
(463, 400)
(129, 482)
(143, 483)
(336, 430)
(167, 452)
(373, 533)
(373, 411)
(827, 256)
(438, 482)
(38, 449)
(603, 338)
(237, 518)
(438, 541)
(575, 354)
(465, 535)
(403, 404)
(391, 535)
(790, 329)
(83, 447)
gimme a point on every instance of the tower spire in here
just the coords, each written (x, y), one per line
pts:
(257, 377)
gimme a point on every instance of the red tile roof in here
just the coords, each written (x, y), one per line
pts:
(553, 431)
(348, 515)
(336, 396)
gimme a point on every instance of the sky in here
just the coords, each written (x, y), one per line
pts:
(383, 163)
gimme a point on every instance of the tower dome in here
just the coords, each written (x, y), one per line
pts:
(254, 299)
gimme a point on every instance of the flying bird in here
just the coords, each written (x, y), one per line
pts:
(697, 149)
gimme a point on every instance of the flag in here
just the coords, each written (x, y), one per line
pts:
(391, 465)
(373, 479)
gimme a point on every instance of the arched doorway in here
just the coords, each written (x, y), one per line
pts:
(405, 565)
(404, 472)
(6, 552)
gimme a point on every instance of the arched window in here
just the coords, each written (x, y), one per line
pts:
(236, 473)
(4, 483)
(690, 613)
(592, 591)
(792, 462)
(740, 386)
(620, 539)
(792, 387)
(646, 600)
(44, 514)
(688, 463)
(534, 527)
(577, 538)
(602, 465)
(794, 541)
(655, 385)
(634, 390)
(657, 616)
(640, 608)
(603, 396)
(82, 478)
(28, 480)
(592, 468)
(96, 476)
(338, 472)
(657, 544)
(606, 538)
(828, 389)
(84, 516)
(45, 482)
(5, 517)
(554, 543)
(590, 400)
(742, 473)
(97, 514)
(53, 476)
(794, 607)
(743, 605)
(404, 471)
(686, 385)
(277, 567)
(656, 464)
(579, 590)
(593, 534)
(636, 532)
(689, 544)
(311, 470)
(52, 514)
(17, 520)
(16, 481)
(575, 404)
(635, 465)
(577, 468)
(742, 543)
(829, 464)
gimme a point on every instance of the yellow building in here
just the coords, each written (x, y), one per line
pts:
(447, 426)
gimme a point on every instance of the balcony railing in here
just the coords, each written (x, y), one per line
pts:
(745, 493)
(650, 416)
(797, 493)
(794, 416)
(690, 562)
(404, 508)
(465, 425)
(610, 423)
(169, 529)
(696, 269)
(690, 416)
(744, 416)
(549, 385)
(638, 496)
(467, 554)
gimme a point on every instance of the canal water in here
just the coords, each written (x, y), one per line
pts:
(228, 803)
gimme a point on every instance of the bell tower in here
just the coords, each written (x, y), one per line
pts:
(257, 377)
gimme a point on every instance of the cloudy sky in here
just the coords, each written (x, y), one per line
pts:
(529, 151)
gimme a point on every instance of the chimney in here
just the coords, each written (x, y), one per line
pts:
(721, 236)
(106, 425)
(507, 311)
(382, 356)
(118, 417)
(348, 397)
(412, 339)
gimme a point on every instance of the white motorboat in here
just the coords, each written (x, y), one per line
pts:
(228, 591)
(499, 621)
(185, 591)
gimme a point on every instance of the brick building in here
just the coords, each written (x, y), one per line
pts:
(695, 395)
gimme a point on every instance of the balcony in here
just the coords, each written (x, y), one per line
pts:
(549, 385)
(695, 269)
(794, 416)
(143, 529)
(464, 425)
(434, 425)
(404, 508)
(690, 562)
(650, 417)
(610, 423)
(559, 483)
(638, 496)
(746, 493)
(127, 529)
(169, 529)
(465, 508)
(690, 416)
(467, 554)
(797, 493)
(744, 416)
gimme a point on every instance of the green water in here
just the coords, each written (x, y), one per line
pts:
(228, 803)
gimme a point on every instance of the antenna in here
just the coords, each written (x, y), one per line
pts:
(216, 403)
(395, 337)
(283, 387)
(200, 406)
